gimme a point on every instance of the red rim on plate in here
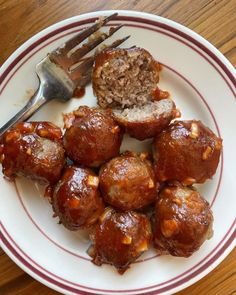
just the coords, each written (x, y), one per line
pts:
(223, 246)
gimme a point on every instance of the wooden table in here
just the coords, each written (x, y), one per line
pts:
(214, 20)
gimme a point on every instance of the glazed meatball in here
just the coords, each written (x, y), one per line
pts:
(128, 182)
(142, 122)
(124, 77)
(183, 221)
(120, 238)
(186, 151)
(33, 150)
(92, 136)
(76, 199)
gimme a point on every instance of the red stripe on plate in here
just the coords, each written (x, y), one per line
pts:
(225, 70)
(174, 285)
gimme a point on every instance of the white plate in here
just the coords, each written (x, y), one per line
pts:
(202, 83)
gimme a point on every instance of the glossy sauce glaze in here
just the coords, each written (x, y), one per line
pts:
(186, 151)
(76, 198)
(120, 238)
(79, 92)
(128, 182)
(92, 136)
(183, 221)
(159, 94)
(33, 150)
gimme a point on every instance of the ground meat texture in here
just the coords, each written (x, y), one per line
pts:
(183, 221)
(142, 122)
(120, 238)
(124, 77)
(76, 199)
(128, 182)
(33, 150)
(186, 151)
(92, 136)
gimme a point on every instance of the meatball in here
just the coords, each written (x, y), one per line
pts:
(183, 221)
(33, 150)
(76, 199)
(142, 122)
(126, 81)
(120, 238)
(124, 77)
(186, 151)
(128, 182)
(92, 136)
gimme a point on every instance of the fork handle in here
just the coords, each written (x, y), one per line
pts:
(35, 102)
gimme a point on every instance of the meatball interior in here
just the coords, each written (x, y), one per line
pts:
(142, 122)
(124, 77)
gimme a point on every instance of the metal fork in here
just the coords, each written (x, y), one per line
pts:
(60, 73)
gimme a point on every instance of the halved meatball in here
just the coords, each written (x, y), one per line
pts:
(186, 151)
(92, 136)
(33, 150)
(183, 221)
(76, 199)
(124, 77)
(127, 182)
(142, 122)
(126, 81)
(120, 238)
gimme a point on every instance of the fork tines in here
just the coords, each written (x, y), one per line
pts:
(82, 73)
(93, 42)
(87, 32)
(69, 56)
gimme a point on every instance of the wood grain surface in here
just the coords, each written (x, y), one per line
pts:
(214, 20)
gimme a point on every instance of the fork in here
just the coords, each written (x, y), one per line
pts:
(64, 69)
